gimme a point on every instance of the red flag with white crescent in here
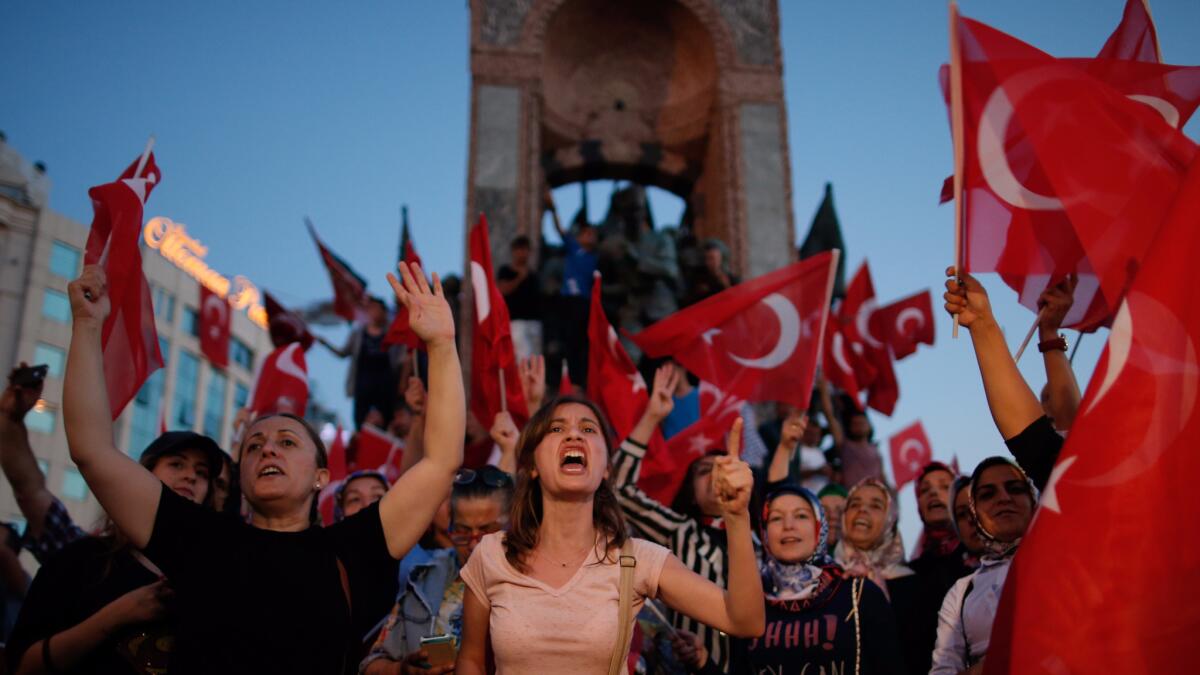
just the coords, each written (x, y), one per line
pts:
(399, 331)
(839, 362)
(759, 340)
(285, 325)
(282, 384)
(129, 337)
(491, 345)
(214, 325)
(910, 451)
(906, 323)
(1092, 590)
(377, 450)
(872, 357)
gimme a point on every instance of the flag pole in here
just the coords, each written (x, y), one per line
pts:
(1029, 336)
(956, 126)
(503, 395)
(1075, 348)
(103, 261)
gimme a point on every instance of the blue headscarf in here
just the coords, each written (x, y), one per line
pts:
(800, 580)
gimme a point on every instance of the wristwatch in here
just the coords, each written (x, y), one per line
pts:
(1059, 342)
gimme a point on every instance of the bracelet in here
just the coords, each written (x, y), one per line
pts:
(1059, 342)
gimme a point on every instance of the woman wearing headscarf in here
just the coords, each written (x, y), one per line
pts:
(937, 562)
(819, 619)
(963, 522)
(1002, 499)
(276, 593)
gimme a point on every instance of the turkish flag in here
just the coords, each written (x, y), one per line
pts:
(613, 381)
(906, 323)
(838, 361)
(349, 288)
(337, 456)
(1135, 38)
(129, 336)
(1083, 600)
(491, 347)
(399, 332)
(285, 325)
(1070, 165)
(215, 320)
(759, 340)
(282, 384)
(911, 451)
(377, 450)
(663, 470)
(874, 360)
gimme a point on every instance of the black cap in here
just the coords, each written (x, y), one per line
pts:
(175, 442)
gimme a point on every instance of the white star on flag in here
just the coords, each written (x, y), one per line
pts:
(639, 384)
(1050, 499)
(699, 444)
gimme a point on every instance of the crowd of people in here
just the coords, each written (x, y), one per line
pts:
(550, 558)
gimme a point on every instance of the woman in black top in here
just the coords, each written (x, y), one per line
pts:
(819, 619)
(274, 594)
(99, 606)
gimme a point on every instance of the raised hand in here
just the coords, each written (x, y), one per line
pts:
(533, 380)
(16, 400)
(732, 479)
(967, 298)
(1054, 303)
(661, 401)
(504, 432)
(89, 296)
(428, 312)
(793, 429)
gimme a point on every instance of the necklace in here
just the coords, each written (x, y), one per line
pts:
(561, 563)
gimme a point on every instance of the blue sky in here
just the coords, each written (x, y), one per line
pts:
(269, 111)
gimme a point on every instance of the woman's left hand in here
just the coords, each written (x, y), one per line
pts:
(429, 314)
(732, 478)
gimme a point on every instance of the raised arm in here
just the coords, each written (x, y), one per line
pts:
(126, 490)
(1062, 390)
(658, 406)
(414, 442)
(835, 426)
(1013, 404)
(408, 507)
(793, 430)
(505, 434)
(16, 456)
(739, 609)
(548, 204)
(533, 381)
(340, 352)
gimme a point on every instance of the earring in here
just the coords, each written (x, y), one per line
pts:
(317, 486)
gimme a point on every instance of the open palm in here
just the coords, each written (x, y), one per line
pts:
(429, 314)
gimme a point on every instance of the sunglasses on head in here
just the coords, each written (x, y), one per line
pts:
(490, 475)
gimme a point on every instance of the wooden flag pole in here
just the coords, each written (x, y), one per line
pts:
(956, 127)
(1029, 336)
(503, 395)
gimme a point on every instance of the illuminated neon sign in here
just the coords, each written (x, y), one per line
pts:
(172, 242)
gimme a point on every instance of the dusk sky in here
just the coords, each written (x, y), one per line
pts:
(266, 112)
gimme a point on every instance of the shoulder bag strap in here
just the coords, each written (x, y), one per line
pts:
(628, 562)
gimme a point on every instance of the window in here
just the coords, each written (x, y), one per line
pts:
(241, 396)
(183, 414)
(240, 354)
(164, 305)
(51, 356)
(191, 322)
(56, 306)
(147, 409)
(214, 406)
(73, 485)
(64, 260)
(40, 419)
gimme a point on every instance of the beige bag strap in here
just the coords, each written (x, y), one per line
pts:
(628, 561)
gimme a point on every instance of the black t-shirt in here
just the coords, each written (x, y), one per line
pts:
(818, 637)
(935, 575)
(258, 601)
(374, 363)
(525, 301)
(72, 586)
(1036, 449)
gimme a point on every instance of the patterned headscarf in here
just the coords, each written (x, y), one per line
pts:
(993, 548)
(800, 580)
(885, 558)
(936, 539)
(338, 514)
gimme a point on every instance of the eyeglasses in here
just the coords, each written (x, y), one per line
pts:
(462, 536)
(490, 475)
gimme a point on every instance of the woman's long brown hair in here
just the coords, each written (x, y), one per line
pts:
(526, 514)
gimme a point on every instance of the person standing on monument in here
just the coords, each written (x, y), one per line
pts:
(578, 268)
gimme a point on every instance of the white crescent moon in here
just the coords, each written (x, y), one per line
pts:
(993, 159)
(907, 448)
(789, 335)
(287, 364)
(479, 282)
(220, 307)
(1120, 341)
(862, 321)
(1164, 107)
(838, 349)
(909, 314)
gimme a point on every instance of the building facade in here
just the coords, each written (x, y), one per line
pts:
(42, 251)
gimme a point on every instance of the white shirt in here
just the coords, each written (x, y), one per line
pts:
(961, 623)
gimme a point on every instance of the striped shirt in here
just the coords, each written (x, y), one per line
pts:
(702, 549)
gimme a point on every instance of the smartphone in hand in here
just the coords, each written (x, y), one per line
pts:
(442, 650)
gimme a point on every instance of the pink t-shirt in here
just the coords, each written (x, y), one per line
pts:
(572, 629)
